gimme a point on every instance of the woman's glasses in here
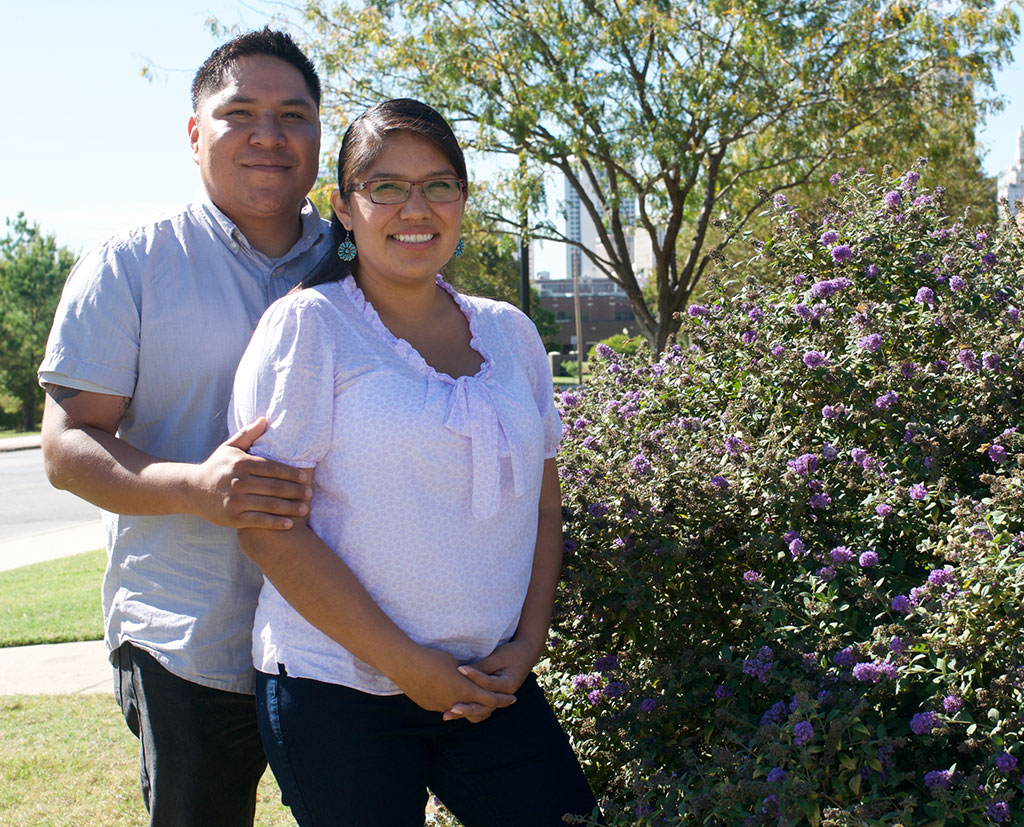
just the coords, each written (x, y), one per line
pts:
(394, 191)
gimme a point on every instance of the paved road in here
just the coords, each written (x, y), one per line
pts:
(38, 522)
(30, 505)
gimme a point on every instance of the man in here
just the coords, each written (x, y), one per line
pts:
(138, 374)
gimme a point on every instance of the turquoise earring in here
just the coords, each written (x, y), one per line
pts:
(460, 248)
(347, 248)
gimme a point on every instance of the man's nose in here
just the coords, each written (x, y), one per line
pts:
(267, 131)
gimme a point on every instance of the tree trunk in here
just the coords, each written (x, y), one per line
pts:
(28, 409)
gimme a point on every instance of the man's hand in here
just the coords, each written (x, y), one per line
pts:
(233, 488)
(503, 671)
(434, 681)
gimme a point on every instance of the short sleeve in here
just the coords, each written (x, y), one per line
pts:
(287, 374)
(538, 369)
(96, 329)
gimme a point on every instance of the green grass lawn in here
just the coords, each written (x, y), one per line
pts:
(52, 602)
(7, 434)
(69, 761)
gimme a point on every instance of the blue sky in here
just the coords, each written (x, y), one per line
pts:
(90, 146)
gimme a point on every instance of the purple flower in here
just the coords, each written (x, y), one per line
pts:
(828, 238)
(997, 453)
(776, 775)
(835, 178)
(826, 573)
(841, 253)
(883, 509)
(606, 663)
(722, 692)
(989, 259)
(938, 779)
(751, 577)
(841, 555)
(804, 464)
(844, 657)
(803, 311)
(595, 696)
(779, 200)
(870, 343)
(641, 465)
(956, 284)
(998, 811)
(775, 714)
(735, 446)
(909, 179)
(925, 295)
(755, 315)
(831, 411)
(868, 559)
(797, 548)
(591, 443)
(871, 271)
(749, 337)
(814, 359)
(918, 491)
(604, 351)
(908, 369)
(967, 358)
(821, 501)
(802, 733)
(719, 481)
(896, 645)
(942, 577)
(952, 704)
(990, 360)
(892, 199)
(829, 452)
(615, 689)
(859, 456)
(923, 723)
(778, 351)
(886, 400)
(901, 604)
(1013, 313)
(1005, 762)
(597, 510)
(648, 705)
(696, 310)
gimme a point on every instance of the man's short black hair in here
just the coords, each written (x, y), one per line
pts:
(211, 75)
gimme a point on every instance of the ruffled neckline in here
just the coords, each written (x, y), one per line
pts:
(405, 350)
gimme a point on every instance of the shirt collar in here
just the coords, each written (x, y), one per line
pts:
(313, 227)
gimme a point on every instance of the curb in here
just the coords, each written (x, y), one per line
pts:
(20, 443)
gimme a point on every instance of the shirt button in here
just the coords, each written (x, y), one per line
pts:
(234, 247)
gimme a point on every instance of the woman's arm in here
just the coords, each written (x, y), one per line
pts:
(505, 669)
(323, 589)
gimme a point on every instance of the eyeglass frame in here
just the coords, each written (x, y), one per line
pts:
(462, 182)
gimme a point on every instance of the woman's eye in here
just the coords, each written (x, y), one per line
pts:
(440, 187)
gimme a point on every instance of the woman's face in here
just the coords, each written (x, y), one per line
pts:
(405, 242)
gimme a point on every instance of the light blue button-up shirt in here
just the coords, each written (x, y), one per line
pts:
(161, 314)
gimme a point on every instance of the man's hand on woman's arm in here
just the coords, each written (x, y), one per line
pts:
(83, 455)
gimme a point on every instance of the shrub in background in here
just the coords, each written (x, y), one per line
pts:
(794, 569)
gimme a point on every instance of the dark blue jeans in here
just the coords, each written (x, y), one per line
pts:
(200, 755)
(346, 758)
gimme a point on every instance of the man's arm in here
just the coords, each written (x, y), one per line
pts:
(83, 455)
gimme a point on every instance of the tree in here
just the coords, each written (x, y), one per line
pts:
(490, 268)
(32, 273)
(695, 114)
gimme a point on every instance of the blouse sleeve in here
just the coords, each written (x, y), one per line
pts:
(538, 370)
(287, 374)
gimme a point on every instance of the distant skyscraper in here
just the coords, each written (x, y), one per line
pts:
(1011, 182)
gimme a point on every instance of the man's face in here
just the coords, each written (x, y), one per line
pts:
(257, 142)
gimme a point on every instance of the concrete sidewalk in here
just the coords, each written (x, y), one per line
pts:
(57, 668)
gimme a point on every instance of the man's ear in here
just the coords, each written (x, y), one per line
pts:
(342, 209)
(193, 136)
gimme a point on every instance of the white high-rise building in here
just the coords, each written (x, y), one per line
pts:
(1011, 182)
(579, 227)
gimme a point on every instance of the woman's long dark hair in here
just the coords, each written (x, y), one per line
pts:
(362, 146)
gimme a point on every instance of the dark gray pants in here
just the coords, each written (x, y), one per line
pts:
(200, 755)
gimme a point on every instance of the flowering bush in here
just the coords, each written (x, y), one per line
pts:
(794, 569)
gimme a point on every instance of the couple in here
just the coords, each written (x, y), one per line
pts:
(391, 474)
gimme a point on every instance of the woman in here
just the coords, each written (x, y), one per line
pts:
(423, 583)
